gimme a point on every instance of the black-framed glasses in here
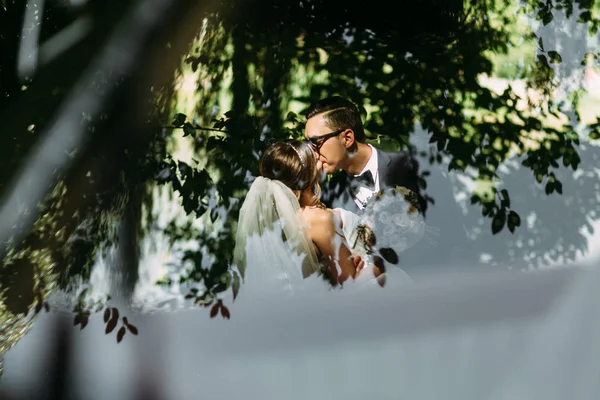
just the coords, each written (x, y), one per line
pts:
(317, 141)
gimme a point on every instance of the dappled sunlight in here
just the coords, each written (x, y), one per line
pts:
(495, 108)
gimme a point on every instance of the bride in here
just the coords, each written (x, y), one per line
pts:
(287, 240)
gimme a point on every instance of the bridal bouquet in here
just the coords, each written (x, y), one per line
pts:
(391, 223)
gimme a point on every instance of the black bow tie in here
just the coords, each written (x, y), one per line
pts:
(363, 180)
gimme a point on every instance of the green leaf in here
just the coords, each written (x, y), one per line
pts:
(594, 135)
(184, 169)
(549, 187)
(291, 116)
(235, 287)
(498, 221)
(558, 187)
(555, 58)
(188, 130)
(214, 214)
(211, 143)
(514, 220)
(585, 16)
(179, 120)
(539, 177)
(200, 210)
(505, 203)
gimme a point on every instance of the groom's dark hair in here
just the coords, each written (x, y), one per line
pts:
(339, 113)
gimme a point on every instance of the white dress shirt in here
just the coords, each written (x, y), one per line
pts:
(363, 194)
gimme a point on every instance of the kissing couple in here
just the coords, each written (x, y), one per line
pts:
(291, 235)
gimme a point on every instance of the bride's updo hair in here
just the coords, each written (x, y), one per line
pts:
(293, 163)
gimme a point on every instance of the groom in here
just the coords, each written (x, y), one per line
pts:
(335, 131)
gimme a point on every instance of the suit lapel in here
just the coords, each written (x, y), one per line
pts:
(383, 163)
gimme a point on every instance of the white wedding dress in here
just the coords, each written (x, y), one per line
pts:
(274, 253)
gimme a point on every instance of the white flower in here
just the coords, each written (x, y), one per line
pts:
(394, 219)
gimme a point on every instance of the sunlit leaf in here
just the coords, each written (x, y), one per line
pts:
(555, 58)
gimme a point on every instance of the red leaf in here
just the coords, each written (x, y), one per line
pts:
(111, 325)
(132, 329)
(215, 310)
(84, 321)
(225, 312)
(115, 313)
(120, 334)
(106, 315)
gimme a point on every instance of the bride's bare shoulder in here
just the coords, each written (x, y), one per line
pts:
(322, 220)
(316, 215)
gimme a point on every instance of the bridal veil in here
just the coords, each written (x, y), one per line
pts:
(272, 250)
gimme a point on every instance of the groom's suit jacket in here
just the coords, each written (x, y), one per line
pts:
(395, 169)
(445, 245)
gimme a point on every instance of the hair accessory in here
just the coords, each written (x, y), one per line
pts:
(297, 152)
